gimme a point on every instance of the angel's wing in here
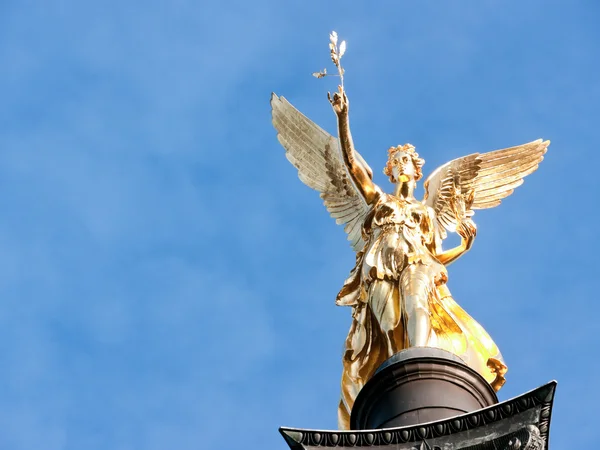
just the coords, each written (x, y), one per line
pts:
(316, 155)
(487, 177)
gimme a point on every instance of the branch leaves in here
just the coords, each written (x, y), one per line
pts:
(336, 52)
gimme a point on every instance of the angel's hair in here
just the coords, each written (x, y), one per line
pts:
(407, 148)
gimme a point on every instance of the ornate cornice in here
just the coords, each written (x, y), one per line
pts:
(521, 423)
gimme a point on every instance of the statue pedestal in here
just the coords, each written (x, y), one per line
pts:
(428, 399)
(419, 385)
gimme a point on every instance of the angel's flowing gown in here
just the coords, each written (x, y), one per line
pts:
(395, 264)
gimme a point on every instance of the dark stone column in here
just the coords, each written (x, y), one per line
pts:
(419, 385)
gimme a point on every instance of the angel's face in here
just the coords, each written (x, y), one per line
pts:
(403, 168)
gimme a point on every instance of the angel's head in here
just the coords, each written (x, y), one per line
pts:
(403, 164)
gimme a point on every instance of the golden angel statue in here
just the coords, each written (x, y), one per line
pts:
(397, 288)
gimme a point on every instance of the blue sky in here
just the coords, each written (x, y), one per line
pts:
(164, 275)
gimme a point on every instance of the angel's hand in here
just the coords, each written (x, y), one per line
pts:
(470, 197)
(339, 101)
(467, 230)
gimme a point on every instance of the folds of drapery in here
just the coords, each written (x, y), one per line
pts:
(453, 330)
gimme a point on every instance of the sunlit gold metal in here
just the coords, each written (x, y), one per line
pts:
(397, 288)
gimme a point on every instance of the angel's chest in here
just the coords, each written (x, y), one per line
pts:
(399, 212)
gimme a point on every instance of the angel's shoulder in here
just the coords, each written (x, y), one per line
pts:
(381, 195)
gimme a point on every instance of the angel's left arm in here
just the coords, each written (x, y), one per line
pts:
(467, 230)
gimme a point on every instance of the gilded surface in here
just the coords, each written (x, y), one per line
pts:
(397, 288)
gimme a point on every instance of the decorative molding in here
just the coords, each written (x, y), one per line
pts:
(521, 423)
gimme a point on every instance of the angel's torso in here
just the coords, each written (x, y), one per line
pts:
(392, 211)
(397, 232)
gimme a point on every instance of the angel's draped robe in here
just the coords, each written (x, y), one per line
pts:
(398, 260)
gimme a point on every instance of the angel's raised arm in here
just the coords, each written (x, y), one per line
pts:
(316, 155)
(359, 172)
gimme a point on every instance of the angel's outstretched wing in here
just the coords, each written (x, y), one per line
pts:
(316, 155)
(487, 178)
